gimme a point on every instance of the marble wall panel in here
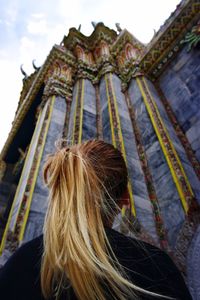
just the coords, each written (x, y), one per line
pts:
(166, 191)
(107, 136)
(72, 111)
(89, 129)
(40, 195)
(134, 167)
(180, 85)
(193, 179)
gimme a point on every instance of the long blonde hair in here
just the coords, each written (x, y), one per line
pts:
(85, 182)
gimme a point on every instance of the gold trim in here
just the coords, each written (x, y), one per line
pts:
(81, 112)
(21, 233)
(163, 147)
(17, 191)
(110, 114)
(123, 147)
(75, 111)
(120, 133)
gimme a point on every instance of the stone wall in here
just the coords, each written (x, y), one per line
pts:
(40, 196)
(169, 201)
(180, 85)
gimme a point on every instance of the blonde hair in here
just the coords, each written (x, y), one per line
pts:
(85, 182)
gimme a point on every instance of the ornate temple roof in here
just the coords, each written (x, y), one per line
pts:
(150, 59)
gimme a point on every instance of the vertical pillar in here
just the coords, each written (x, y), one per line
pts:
(117, 129)
(21, 202)
(99, 114)
(58, 87)
(180, 134)
(29, 206)
(165, 188)
(159, 224)
(172, 158)
(115, 124)
(82, 122)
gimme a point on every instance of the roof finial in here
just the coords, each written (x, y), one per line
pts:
(79, 28)
(93, 24)
(118, 27)
(34, 66)
(23, 72)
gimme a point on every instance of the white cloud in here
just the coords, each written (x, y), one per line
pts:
(26, 50)
(37, 27)
(11, 86)
(11, 14)
(38, 15)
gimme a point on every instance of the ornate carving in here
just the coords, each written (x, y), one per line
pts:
(127, 51)
(86, 66)
(192, 38)
(159, 224)
(166, 43)
(101, 32)
(182, 137)
(58, 81)
(12, 242)
(185, 237)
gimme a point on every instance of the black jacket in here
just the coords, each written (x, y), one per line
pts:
(146, 266)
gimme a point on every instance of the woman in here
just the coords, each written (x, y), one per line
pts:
(79, 255)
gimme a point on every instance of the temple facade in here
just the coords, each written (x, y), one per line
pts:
(145, 100)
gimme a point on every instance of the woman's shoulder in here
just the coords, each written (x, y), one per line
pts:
(133, 247)
(21, 274)
(28, 253)
(148, 266)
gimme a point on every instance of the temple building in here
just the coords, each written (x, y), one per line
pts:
(145, 100)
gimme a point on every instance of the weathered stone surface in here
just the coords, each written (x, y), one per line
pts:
(40, 195)
(166, 191)
(193, 269)
(89, 130)
(192, 133)
(180, 84)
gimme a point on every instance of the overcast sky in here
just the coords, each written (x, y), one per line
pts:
(29, 29)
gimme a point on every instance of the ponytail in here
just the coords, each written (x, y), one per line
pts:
(76, 249)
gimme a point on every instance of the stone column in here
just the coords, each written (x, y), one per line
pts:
(83, 116)
(29, 206)
(162, 156)
(158, 219)
(117, 129)
(58, 91)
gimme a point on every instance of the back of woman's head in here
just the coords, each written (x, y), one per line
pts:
(85, 183)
